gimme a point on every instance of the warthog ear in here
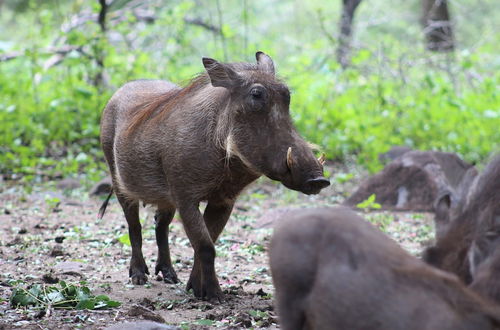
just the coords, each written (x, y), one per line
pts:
(476, 256)
(442, 207)
(221, 75)
(442, 211)
(265, 62)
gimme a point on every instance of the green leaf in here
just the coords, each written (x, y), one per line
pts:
(205, 322)
(83, 92)
(82, 294)
(55, 297)
(124, 239)
(113, 303)
(369, 203)
(19, 298)
(253, 313)
(344, 177)
(102, 297)
(62, 296)
(86, 304)
(35, 290)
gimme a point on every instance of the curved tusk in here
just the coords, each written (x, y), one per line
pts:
(289, 161)
(321, 159)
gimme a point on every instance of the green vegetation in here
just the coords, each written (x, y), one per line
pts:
(394, 93)
(63, 296)
(381, 220)
(369, 203)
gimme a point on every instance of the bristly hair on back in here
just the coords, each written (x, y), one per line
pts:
(161, 105)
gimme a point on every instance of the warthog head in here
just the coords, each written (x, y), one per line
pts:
(258, 128)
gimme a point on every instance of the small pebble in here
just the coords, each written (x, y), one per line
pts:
(59, 239)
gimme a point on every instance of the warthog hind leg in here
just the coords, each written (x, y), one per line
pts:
(138, 268)
(163, 217)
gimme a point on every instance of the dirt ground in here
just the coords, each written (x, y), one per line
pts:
(55, 233)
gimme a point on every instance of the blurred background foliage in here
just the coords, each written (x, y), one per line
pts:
(59, 64)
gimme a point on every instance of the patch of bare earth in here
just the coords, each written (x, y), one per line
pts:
(60, 238)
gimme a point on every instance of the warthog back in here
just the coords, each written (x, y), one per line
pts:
(333, 270)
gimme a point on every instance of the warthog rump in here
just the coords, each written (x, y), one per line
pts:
(333, 270)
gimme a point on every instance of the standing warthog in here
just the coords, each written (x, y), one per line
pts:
(176, 147)
(333, 270)
(470, 243)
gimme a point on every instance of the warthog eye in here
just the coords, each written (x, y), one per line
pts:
(286, 96)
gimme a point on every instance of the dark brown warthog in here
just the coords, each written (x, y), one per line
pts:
(176, 147)
(471, 232)
(487, 276)
(414, 180)
(333, 270)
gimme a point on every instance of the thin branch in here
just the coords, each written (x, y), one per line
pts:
(328, 35)
(62, 50)
(140, 14)
(199, 22)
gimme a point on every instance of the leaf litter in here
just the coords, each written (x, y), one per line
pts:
(85, 282)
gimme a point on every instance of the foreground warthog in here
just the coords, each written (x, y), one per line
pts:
(472, 234)
(333, 270)
(176, 147)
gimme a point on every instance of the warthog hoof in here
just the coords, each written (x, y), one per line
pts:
(138, 274)
(210, 293)
(168, 273)
(139, 279)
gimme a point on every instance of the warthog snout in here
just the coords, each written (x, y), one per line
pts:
(303, 171)
(314, 186)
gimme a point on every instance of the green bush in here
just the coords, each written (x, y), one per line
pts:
(351, 113)
(394, 93)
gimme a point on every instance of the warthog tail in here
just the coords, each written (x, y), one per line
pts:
(104, 205)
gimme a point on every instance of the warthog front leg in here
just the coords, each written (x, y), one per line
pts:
(164, 263)
(203, 280)
(215, 217)
(138, 268)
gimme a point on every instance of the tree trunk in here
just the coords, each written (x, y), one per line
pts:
(101, 80)
(102, 15)
(348, 9)
(437, 26)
